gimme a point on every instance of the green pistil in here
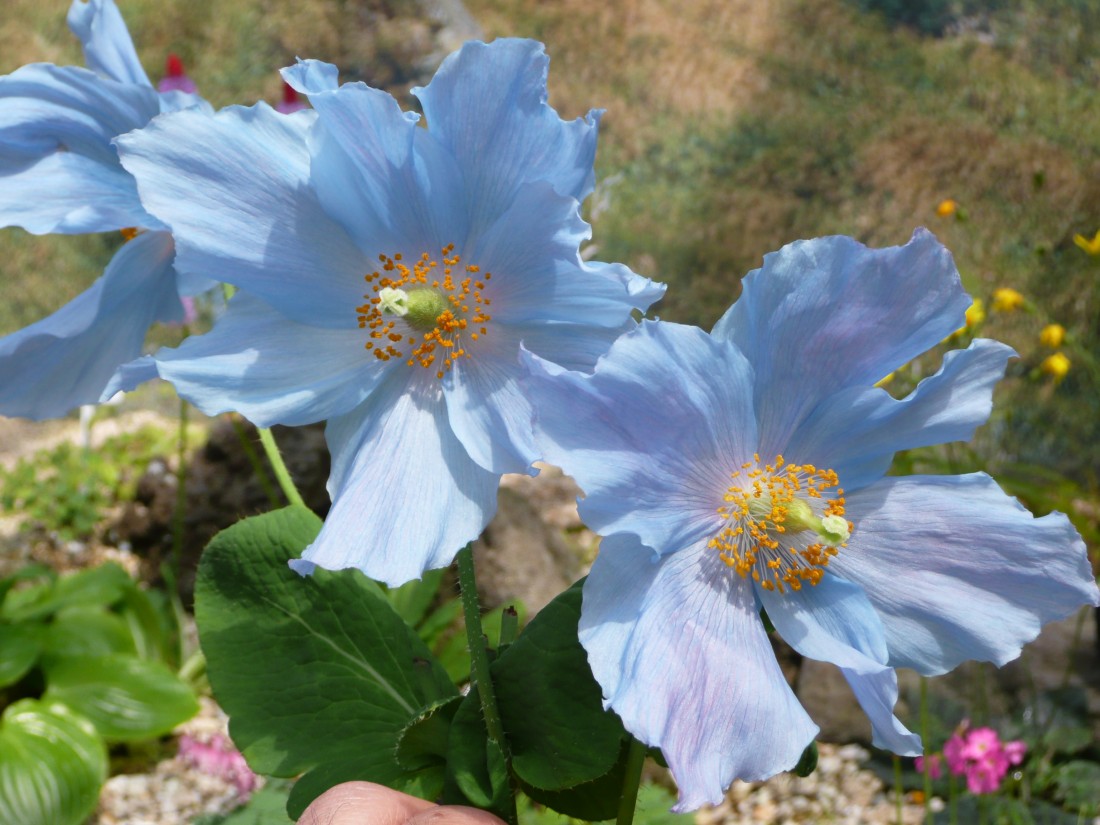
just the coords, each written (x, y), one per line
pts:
(799, 517)
(424, 306)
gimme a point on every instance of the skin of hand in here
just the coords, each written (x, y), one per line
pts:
(364, 803)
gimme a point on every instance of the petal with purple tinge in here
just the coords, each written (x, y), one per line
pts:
(678, 647)
(827, 314)
(958, 570)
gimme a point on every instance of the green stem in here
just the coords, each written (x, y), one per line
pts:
(181, 493)
(175, 560)
(897, 789)
(479, 659)
(282, 475)
(953, 803)
(628, 801)
(924, 741)
(258, 467)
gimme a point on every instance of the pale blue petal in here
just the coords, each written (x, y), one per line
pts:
(653, 435)
(174, 100)
(877, 693)
(575, 347)
(957, 570)
(487, 106)
(487, 407)
(234, 188)
(67, 359)
(405, 495)
(857, 431)
(538, 275)
(828, 314)
(129, 376)
(679, 650)
(387, 195)
(832, 621)
(312, 77)
(270, 369)
(58, 169)
(108, 49)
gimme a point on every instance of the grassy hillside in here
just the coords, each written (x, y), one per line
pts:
(733, 127)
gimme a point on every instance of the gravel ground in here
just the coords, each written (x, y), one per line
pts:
(840, 791)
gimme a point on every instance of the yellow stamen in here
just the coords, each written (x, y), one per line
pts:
(426, 307)
(783, 523)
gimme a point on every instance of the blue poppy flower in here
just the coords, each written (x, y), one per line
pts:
(60, 173)
(389, 273)
(745, 470)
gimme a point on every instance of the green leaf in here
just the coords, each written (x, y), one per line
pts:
(807, 763)
(98, 587)
(20, 646)
(1068, 739)
(476, 767)
(27, 573)
(86, 631)
(1077, 783)
(423, 742)
(52, 765)
(152, 624)
(590, 801)
(126, 698)
(318, 674)
(412, 599)
(551, 705)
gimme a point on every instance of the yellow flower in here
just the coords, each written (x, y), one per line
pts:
(1052, 336)
(947, 208)
(1007, 299)
(975, 313)
(1056, 365)
(1092, 247)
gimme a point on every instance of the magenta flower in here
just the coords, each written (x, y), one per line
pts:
(175, 78)
(979, 755)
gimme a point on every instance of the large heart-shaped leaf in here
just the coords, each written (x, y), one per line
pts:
(52, 764)
(126, 698)
(551, 705)
(318, 674)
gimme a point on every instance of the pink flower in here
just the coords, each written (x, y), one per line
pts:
(979, 742)
(1015, 751)
(934, 764)
(219, 758)
(953, 753)
(983, 777)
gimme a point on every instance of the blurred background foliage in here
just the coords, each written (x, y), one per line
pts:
(733, 127)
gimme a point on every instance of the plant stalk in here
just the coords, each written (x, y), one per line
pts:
(927, 772)
(628, 801)
(278, 466)
(479, 660)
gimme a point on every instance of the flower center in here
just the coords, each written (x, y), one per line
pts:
(783, 523)
(422, 313)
